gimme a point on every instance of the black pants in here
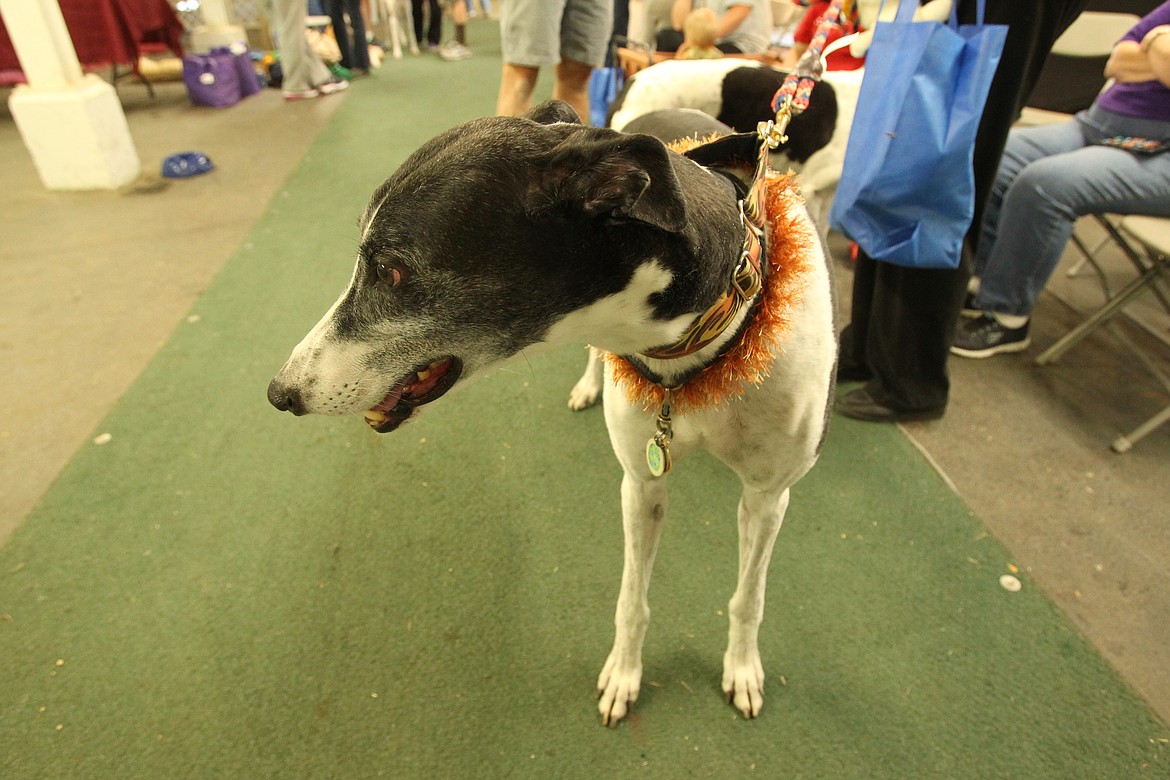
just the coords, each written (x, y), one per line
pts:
(903, 319)
(434, 25)
(351, 43)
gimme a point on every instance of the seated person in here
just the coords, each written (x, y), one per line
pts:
(743, 26)
(1108, 158)
(807, 28)
(700, 31)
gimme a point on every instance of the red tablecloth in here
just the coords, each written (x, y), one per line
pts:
(107, 32)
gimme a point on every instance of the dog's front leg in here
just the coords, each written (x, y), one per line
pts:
(396, 35)
(760, 514)
(587, 391)
(643, 513)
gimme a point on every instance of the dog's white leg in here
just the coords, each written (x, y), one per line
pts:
(395, 36)
(643, 514)
(760, 514)
(587, 391)
(408, 25)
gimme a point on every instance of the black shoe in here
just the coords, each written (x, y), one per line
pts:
(984, 336)
(847, 373)
(969, 308)
(859, 405)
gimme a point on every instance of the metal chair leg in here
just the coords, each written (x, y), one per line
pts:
(1103, 314)
(1124, 443)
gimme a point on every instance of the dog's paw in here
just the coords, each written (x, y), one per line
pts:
(617, 689)
(743, 683)
(586, 393)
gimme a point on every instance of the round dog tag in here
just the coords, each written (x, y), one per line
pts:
(657, 458)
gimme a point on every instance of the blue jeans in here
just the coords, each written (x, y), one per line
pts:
(1048, 177)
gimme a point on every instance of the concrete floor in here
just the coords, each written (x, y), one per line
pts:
(91, 284)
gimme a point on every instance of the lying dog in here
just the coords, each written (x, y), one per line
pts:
(605, 238)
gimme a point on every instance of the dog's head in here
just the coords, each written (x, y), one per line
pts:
(482, 241)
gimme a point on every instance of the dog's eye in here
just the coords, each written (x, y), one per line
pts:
(389, 275)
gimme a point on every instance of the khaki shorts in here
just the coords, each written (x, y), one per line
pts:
(535, 33)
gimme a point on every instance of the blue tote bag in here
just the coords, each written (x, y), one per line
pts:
(907, 190)
(604, 85)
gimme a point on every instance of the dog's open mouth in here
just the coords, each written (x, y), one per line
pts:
(415, 389)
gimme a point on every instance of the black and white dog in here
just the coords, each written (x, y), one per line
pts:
(734, 91)
(739, 93)
(597, 237)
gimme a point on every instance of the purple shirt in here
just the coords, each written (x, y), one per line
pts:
(1145, 99)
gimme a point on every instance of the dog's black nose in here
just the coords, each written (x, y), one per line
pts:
(286, 399)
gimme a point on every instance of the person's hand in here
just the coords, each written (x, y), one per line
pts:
(1158, 54)
(1128, 63)
(1154, 32)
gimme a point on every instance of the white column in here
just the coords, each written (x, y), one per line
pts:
(217, 28)
(72, 124)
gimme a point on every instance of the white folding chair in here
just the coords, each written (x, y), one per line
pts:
(1146, 241)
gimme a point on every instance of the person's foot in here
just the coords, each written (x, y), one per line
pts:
(860, 405)
(300, 94)
(848, 373)
(984, 336)
(969, 307)
(453, 51)
(331, 87)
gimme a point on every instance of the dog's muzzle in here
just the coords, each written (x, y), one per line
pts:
(421, 386)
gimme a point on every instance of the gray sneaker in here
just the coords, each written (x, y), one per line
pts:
(983, 337)
(453, 51)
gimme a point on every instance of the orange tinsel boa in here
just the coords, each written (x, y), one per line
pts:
(790, 237)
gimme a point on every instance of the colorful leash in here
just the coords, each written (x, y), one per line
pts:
(793, 95)
(790, 100)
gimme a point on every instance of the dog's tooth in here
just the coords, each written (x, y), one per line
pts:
(422, 375)
(375, 417)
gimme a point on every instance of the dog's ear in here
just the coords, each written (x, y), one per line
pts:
(739, 150)
(552, 111)
(610, 175)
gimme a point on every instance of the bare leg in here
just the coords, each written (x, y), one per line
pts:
(572, 86)
(516, 85)
(459, 20)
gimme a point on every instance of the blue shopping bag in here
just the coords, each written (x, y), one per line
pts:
(604, 85)
(907, 190)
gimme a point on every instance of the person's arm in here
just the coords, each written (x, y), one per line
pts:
(792, 55)
(731, 20)
(1157, 47)
(679, 11)
(1147, 60)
